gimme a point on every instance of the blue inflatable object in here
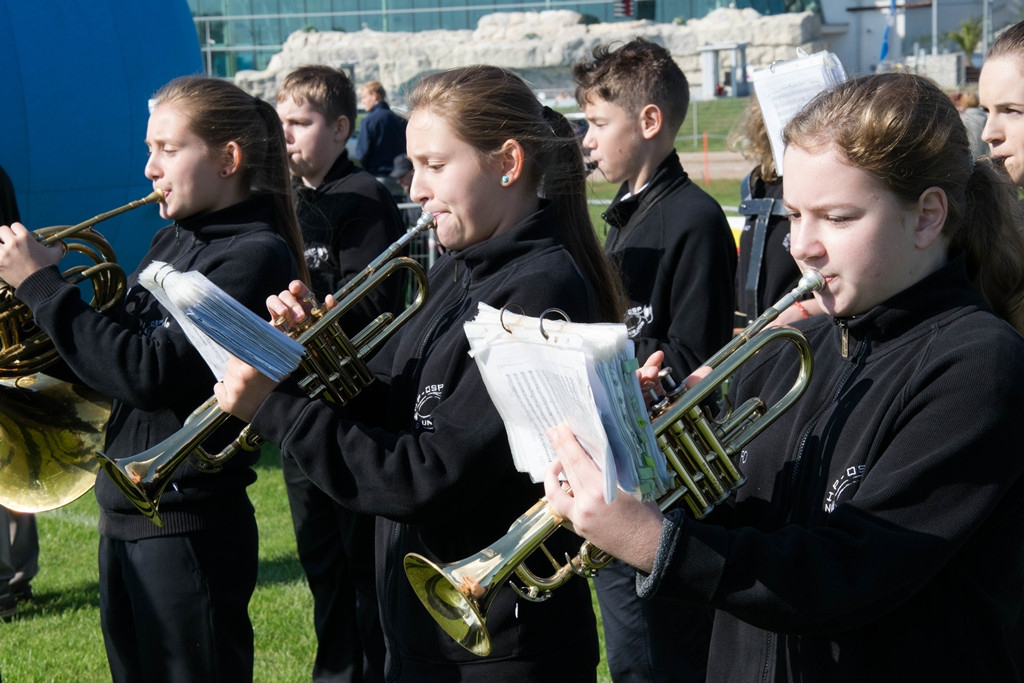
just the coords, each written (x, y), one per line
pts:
(75, 81)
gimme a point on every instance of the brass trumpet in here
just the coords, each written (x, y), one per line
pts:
(50, 429)
(699, 451)
(335, 368)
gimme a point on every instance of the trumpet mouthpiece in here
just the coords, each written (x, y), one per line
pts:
(426, 220)
(812, 281)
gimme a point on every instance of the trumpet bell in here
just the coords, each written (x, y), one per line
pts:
(450, 600)
(459, 594)
(50, 431)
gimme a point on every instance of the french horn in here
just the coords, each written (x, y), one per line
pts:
(50, 430)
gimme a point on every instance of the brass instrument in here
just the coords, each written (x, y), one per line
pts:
(699, 451)
(24, 348)
(335, 368)
(50, 430)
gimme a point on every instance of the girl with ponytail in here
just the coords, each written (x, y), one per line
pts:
(423, 448)
(174, 598)
(880, 532)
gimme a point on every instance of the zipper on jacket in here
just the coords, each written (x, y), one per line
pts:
(844, 336)
(765, 672)
(388, 583)
(798, 461)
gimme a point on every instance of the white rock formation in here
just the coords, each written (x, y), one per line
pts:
(541, 46)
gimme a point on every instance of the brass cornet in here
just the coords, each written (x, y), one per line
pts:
(50, 429)
(335, 368)
(699, 451)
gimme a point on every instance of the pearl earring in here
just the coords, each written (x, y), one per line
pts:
(504, 180)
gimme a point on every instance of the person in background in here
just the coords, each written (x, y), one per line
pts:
(766, 269)
(677, 257)
(868, 543)
(347, 219)
(423, 447)
(174, 598)
(19, 536)
(1001, 94)
(974, 117)
(401, 173)
(381, 133)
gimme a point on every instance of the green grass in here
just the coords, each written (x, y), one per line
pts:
(57, 637)
(715, 118)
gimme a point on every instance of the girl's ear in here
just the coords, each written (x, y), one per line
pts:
(511, 156)
(651, 121)
(232, 159)
(932, 208)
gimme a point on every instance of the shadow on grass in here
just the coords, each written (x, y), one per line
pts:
(83, 596)
(277, 570)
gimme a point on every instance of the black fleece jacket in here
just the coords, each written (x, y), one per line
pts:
(880, 534)
(347, 221)
(139, 356)
(677, 257)
(425, 450)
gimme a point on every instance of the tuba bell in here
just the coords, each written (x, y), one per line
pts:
(50, 430)
(699, 451)
(335, 368)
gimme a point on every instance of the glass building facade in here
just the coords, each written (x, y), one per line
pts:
(245, 34)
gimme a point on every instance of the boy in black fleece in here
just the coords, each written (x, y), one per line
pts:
(880, 534)
(347, 220)
(174, 598)
(677, 258)
(423, 448)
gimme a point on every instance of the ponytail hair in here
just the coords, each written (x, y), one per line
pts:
(904, 131)
(220, 113)
(485, 106)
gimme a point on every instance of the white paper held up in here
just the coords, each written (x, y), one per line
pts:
(542, 373)
(218, 325)
(785, 87)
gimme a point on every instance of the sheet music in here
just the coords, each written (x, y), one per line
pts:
(784, 88)
(582, 375)
(218, 325)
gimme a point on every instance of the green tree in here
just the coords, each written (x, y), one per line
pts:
(969, 35)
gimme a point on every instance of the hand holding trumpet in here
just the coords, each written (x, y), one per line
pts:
(574, 487)
(243, 389)
(625, 528)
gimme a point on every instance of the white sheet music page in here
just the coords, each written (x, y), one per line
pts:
(582, 375)
(784, 88)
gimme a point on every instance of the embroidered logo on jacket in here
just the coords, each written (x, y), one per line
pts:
(317, 256)
(426, 401)
(843, 487)
(636, 318)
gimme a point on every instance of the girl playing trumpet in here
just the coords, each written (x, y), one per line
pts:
(880, 534)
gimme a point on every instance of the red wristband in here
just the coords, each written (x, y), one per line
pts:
(801, 308)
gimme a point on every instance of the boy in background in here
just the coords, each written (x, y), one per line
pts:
(347, 220)
(677, 257)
